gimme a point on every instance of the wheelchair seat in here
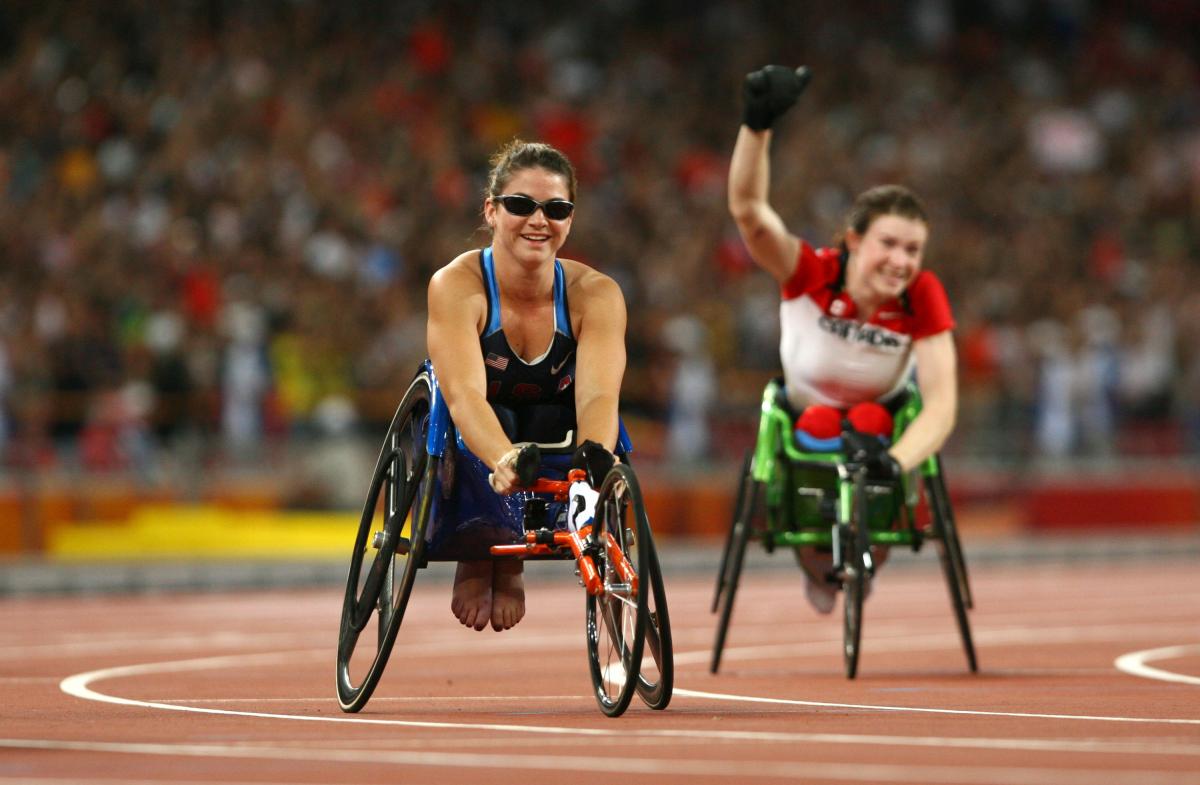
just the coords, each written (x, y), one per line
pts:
(467, 518)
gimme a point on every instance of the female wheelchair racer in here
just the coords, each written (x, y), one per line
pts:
(412, 516)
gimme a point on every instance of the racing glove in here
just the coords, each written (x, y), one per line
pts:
(869, 450)
(769, 92)
(594, 459)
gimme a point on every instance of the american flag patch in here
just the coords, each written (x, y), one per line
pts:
(496, 361)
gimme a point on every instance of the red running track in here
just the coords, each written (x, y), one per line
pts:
(206, 688)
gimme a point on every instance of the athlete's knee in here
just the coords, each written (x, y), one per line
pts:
(820, 422)
(871, 417)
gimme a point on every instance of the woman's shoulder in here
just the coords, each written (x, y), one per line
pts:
(463, 270)
(457, 283)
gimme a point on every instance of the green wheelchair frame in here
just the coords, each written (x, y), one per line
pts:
(788, 497)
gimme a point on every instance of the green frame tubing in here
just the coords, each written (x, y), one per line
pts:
(814, 499)
(792, 519)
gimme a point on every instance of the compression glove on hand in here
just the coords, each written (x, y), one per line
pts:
(594, 459)
(868, 450)
(769, 92)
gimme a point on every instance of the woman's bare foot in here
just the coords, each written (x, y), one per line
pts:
(471, 600)
(508, 594)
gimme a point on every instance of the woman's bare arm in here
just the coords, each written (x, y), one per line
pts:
(771, 245)
(600, 364)
(937, 377)
(457, 306)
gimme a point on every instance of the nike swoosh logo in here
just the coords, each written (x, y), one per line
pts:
(554, 369)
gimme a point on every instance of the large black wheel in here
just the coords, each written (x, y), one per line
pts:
(742, 489)
(656, 676)
(618, 616)
(937, 488)
(388, 550)
(855, 542)
(745, 519)
(953, 563)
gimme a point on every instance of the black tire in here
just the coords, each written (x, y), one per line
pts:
(656, 676)
(856, 544)
(386, 556)
(743, 526)
(953, 564)
(618, 616)
(950, 534)
(742, 488)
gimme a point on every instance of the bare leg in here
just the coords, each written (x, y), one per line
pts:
(471, 600)
(508, 594)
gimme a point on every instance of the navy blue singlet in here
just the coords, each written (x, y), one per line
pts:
(546, 383)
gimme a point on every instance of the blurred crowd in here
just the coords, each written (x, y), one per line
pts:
(219, 218)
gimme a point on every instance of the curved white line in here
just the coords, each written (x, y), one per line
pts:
(79, 686)
(935, 640)
(1134, 663)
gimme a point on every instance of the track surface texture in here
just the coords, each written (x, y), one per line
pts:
(1089, 673)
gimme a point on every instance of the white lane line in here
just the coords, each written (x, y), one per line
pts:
(1134, 663)
(93, 646)
(79, 686)
(800, 770)
(931, 641)
(925, 710)
(380, 699)
(453, 643)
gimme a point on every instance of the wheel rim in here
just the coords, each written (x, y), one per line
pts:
(617, 617)
(386, 551)
(854, 579)
(656, 676)
(743, 526)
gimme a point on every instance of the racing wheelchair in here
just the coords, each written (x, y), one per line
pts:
(627, 628)
(789, 497)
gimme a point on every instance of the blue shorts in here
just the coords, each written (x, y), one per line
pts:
(468, 517)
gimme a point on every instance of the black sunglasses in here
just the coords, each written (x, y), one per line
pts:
(554, 209)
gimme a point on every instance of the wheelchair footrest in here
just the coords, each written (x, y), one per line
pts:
(528, 549)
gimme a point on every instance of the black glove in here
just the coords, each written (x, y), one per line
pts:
(869, 451)
(529, 459)
(594, 459)
(769, 92)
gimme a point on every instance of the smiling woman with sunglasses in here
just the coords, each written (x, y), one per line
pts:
(527, 348)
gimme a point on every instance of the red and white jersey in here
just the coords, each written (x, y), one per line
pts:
(830, 356)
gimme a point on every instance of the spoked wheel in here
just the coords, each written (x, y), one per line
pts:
(656, 676)
(387, 551)
(740, 530)
(618, 616)
(855, 545)
(953, 564)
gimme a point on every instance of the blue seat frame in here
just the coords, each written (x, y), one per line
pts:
(456, 540)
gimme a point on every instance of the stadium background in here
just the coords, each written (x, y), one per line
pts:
(219, 217)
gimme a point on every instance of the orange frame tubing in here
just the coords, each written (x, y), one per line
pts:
(571, 540)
